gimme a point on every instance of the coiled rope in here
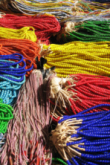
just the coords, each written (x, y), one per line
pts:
(76, 93)
(84, 138)
(45, 25)
(79, 57)
(23, 33)
(86, 31)
(30, 50)
(6, 114)
(12, 76)
(28, 131)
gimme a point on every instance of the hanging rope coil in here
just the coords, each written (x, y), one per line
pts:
(27, 48)
(5, 115)
(11, 69)
(12, 76)
(45, 26)
(84, 138)
(86, 31)
(78, 57)
(23, 33)
(28, 131)
(76, 93)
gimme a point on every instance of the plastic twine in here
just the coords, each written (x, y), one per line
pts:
(78, 92)
(78, 57)
(45, 25)
(30, 50)
(12, 76)
(23, 33)
(5, 116)
(84, 138)
(27, 132)
(86, 31)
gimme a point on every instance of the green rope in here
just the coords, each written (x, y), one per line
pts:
(90, 31)
(5, 115)
(59, 160)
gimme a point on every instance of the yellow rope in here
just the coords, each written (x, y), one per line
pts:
(23, 33)
(79, 57)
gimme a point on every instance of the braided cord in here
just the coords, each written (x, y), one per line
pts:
(91, 31)
(5, 116)
(23, 33)
(79, 57)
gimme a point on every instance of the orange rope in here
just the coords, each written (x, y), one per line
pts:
(30, 50)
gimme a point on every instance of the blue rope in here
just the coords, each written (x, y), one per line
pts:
(94, 132)
(12, 69)
(12, 76)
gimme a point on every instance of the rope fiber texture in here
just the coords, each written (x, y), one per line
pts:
(23, 33)
(84, 138)
(78, 57)
(45, 25)
(87, 31)
(30, 50)
(27, 132)
(77, 93)
(6, 114)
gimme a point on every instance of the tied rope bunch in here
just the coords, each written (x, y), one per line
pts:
(23, 33)
(6, 114)
(30, 50)
(78, 57)
(94, 30)
(84, 138)
(45, 25)
(27, 132)
(12, 76)
(72, 95)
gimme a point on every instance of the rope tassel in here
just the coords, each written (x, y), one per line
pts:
(26, 139)
(84, 138)
(78, 92)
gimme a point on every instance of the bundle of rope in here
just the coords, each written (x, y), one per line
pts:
(45, 25)
(27, 48)
(93, 15)
(84, 138)
(72, 95)
(33, 7)
(27, 132)
(78, 57)
(91, 30)
(6, 114)
(23, 33)
(61, 9)
(12, 76)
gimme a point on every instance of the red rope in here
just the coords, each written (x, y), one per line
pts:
(45, 26)
(90, 91)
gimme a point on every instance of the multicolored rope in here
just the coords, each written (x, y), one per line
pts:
(28, 132)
